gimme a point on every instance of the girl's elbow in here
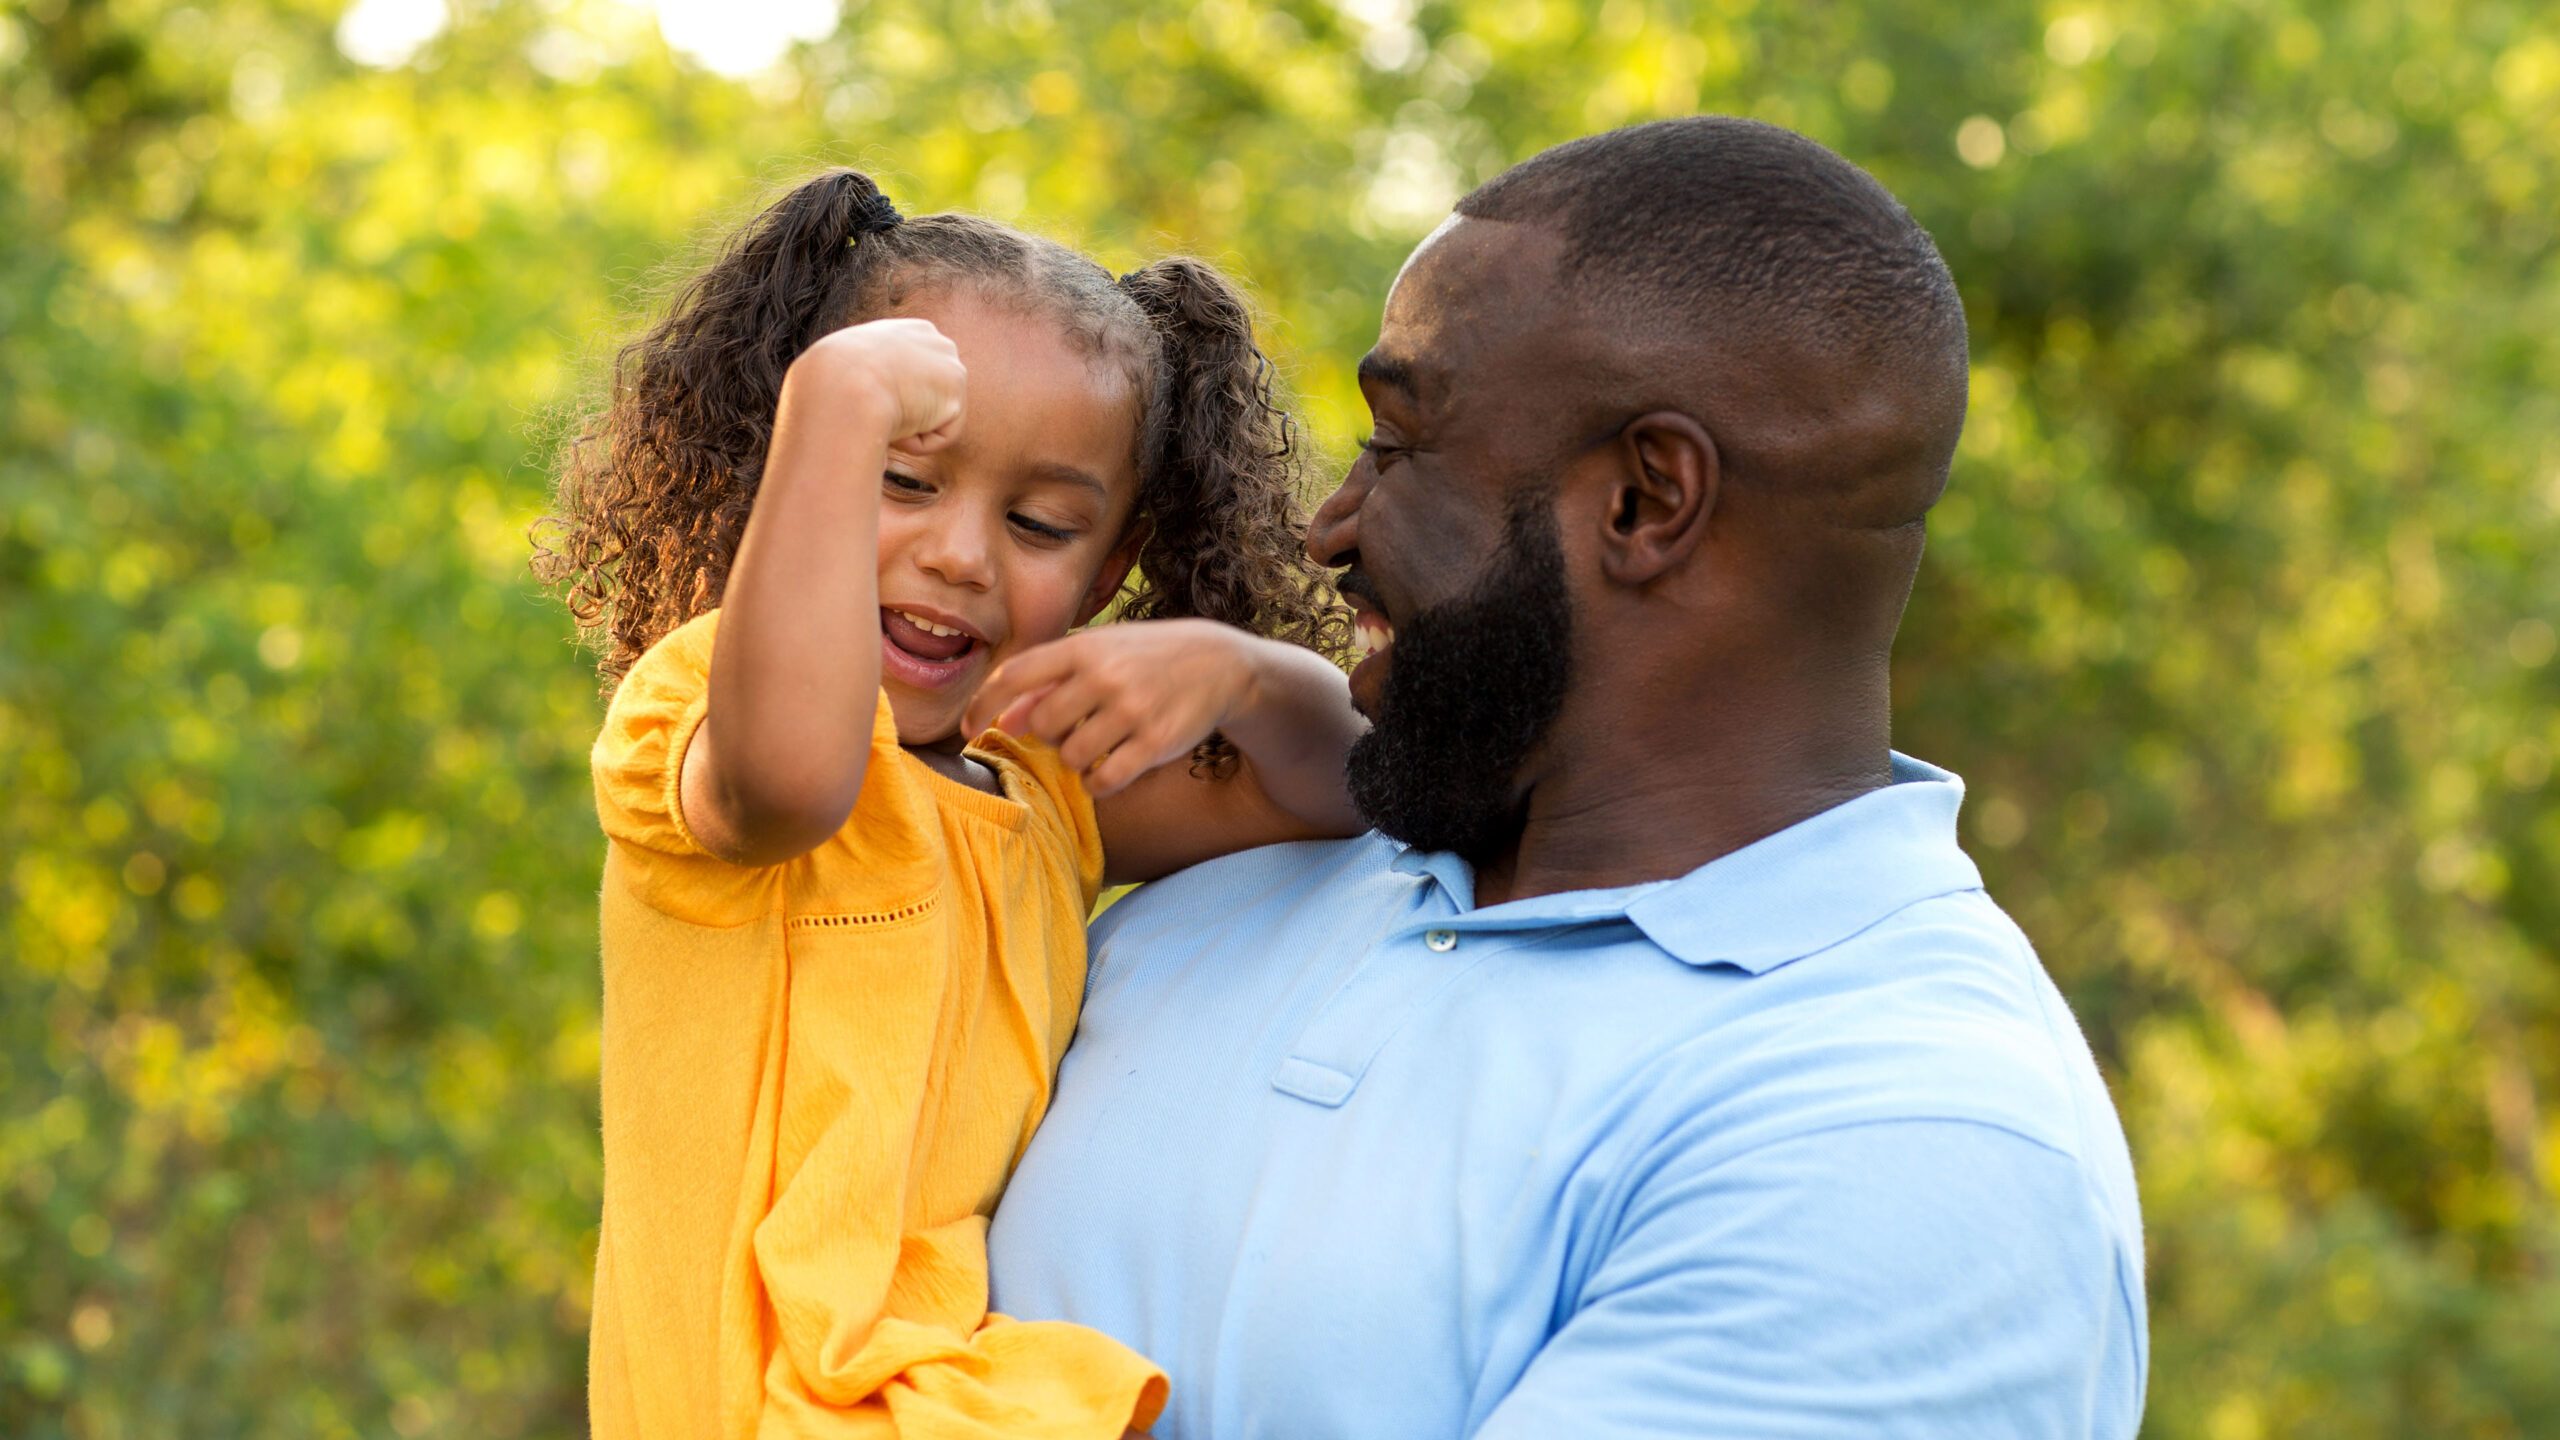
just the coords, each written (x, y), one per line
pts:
(783, 818)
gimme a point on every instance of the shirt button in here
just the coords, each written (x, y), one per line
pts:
(1441, 941)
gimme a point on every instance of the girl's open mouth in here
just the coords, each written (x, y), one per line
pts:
(922, 651)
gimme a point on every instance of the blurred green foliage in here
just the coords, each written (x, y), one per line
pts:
(2237, 617)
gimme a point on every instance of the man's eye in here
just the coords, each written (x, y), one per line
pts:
(1378, 450)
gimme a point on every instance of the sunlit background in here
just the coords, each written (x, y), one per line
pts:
(735, 38)
(2237, 618)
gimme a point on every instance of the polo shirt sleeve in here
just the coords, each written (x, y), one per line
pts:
(1885, 1278)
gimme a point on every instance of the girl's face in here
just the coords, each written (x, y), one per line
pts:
(1016, 532)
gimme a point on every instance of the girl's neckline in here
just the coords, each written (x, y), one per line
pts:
(941, 761)
(1004, 805)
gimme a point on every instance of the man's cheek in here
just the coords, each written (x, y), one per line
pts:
(1425, 563)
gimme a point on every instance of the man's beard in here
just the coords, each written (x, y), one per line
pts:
(1472, 685)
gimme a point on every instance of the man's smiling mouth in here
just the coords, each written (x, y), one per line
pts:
(1371, 633)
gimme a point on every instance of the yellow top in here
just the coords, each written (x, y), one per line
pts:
(817, 1077)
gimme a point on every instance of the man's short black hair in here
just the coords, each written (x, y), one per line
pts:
(1707, 219)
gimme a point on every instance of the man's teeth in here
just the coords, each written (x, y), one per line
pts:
(1373, 635)
(923, 624)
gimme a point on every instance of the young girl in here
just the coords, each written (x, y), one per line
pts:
(843, 944)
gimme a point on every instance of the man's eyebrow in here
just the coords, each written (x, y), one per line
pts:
(1386, 370)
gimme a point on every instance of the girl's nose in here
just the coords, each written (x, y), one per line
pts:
(958, 553)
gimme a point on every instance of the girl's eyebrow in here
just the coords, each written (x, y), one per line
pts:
(1058, 472)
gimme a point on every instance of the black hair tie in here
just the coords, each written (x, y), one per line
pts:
(872, 214)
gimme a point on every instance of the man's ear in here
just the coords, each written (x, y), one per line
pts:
(1115, 572)
(1664, 493)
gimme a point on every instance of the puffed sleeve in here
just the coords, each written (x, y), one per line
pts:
(638, 762)
(652, 856)
(886, 858)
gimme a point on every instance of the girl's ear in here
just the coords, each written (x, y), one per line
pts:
(1115, 571)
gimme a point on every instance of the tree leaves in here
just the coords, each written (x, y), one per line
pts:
(2234, 616)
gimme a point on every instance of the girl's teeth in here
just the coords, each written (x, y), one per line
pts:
(927, 626)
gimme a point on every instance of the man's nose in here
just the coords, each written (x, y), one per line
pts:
(1335, 531)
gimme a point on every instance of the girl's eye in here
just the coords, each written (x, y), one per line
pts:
(1046, 532)
(907, 483)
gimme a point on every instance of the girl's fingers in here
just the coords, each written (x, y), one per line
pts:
(1033, 672)
(948, 416)
(1055, 715)
(1011, 718)
(1095, 738)
(1133, 758)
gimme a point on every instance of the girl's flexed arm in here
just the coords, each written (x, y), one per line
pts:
(1126, 704)
(795, 672)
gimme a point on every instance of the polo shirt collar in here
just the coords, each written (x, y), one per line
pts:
(1780, 898)
(1818, 882)
(1442, 868)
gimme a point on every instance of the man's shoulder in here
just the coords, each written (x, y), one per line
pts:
(1929, 1058)
(1941, 1011)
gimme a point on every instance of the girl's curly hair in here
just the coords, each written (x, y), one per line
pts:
(654, 488)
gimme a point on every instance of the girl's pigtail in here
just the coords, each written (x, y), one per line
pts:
(1220, 470)
(654, 493)
(1218, 483)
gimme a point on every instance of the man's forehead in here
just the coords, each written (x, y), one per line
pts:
(1466, 289)
(1465, 256)
(1424, 247)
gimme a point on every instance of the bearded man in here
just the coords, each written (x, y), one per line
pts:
(1658, 1067)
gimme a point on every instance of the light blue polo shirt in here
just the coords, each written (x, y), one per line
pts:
(1803, 1143)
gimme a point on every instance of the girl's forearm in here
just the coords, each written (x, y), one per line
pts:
(1294, 726)
(795, 676)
